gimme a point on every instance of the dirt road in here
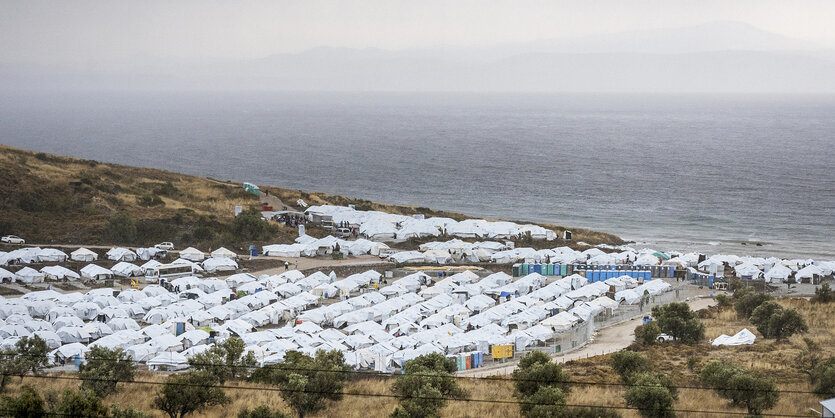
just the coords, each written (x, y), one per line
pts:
(606, 340)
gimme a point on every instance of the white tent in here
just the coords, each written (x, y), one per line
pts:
(169, 361)
(59, 273)
(743, 337)
(192, 254)
(94, 272)
(121, 254)
(223, 252)
(778, 273)
(125, 269)
(29, 275)
(83, 254)
(51, 255)
(6, 275)
(219, 263)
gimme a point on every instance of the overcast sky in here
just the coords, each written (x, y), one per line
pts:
(89, 33)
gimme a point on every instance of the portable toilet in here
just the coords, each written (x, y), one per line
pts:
(516, 268)
(524, 269)
(537, 268)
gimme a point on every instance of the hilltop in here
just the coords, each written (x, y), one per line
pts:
(49, 199)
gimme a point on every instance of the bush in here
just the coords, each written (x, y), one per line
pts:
(747, 302)
(104, 368)
(120, 228)
(32, 354)
(629, 363)
(262, 411)
(117, 411)
(651, 396)
(536, 370)
(187, 393)
(548, 401)
(147, 200)
(424, 386)
(28, 403)
(307, 383)
(824, 378)
(723, 301)
(81, 403)
(648, 333)
(741, 387)
(677, 320)
(248, 226)
(773, 321)
(225, 361)
(823, 294)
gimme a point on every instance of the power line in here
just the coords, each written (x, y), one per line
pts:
(385, 395)
(279, 366)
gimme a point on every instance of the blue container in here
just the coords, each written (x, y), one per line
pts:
(672, 272)
(537, 268)
(647, 275)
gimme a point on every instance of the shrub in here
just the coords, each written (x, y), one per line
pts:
(537, 370)
(307, 383)
(104, 368)
(117, 411)
(651, 396)
(187, 393)
(248, 226)
(120, 228)
(628, 363)
(28, 403)
(648, 333)
(262, 411)
(723, 301)
(424, 386)
(548, 401)
(225, 361)
(677, 320)
(773, 321)
(747, 302)
(81, 403)
(823, 294)
(741, 387)
(32, 354)
(149, 200)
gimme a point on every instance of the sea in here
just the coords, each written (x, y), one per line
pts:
(732, 174)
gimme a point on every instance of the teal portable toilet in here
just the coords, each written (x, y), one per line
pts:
(550, 270)
(564, 269)
(524, 269)
(515, 269)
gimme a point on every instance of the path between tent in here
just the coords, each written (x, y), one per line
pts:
(606, 340)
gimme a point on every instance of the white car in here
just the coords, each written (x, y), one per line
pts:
(12, 239)
(165, 246)
(663, 338)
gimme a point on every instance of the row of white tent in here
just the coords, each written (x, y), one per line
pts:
(381, 226)
(31, 255)
(120, 269)
(380, 328)
(307, 246)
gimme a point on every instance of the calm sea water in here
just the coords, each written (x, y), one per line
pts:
(672, 172)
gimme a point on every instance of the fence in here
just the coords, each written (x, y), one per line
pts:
(580, 334)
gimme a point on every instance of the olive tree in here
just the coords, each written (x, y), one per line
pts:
(185, 394)
(225, 361)
(742, 387)
(680, 322)
(104, 368)
(425, 385)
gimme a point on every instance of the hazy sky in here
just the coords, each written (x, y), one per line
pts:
(83, 33)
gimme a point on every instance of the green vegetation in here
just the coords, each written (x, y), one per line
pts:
(185, 394)
(425, 385)
(225, 361)
(823, 294)
(740, 386)
(774, 321)
(81, 403)
(648, 333)
(262, 411)
(104, 368)
(28, 403)
(629, 363)
(653, 396)
(307, 383)
(678, 321)
(28, 355)
(746, 302)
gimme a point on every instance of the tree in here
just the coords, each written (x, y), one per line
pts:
(677, 320)
(723, 301)
(824, 378)
(548, 401)
(651, 396)
(747, 301)
(28, 404)
(81, 403)
(424, 386)
(823, 294)
(536, 370)
(104, 368)
(32, 354)
(773, 321)
(9, 366)
(741, 387)
(629, 363)
(262, 411)
(248, 226)
(307, 383)
(648, 333)
(187, 393)
(121, 227)
(225, 360)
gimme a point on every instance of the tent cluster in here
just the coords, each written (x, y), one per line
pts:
(381, 226)
(772, 269)
(307, 246)
(374, 328)
(221, 260)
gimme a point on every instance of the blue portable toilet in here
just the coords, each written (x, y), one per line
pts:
(181, 328)
(253, 251)
(76, 359)
(537, 268)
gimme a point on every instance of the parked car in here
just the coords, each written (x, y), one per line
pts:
(663, 338)
(12, 239)
(165, 246)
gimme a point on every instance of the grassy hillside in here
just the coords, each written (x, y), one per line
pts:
(51, 199)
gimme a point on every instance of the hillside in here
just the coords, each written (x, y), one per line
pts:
(62, 200)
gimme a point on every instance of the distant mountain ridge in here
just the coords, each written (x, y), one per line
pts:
(727, 57)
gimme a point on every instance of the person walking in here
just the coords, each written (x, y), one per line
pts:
(286, 265)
